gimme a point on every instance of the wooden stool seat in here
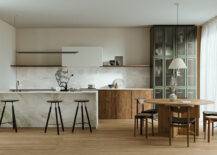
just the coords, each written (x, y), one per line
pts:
(84, 101)
(54, 101)
(9, 100)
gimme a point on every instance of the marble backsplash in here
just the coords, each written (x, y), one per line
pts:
(44, 78)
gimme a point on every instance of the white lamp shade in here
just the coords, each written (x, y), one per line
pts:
(177, 63)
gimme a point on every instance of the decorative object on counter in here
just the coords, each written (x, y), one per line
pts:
(118, 83)
(176, 64)
(119, 60)
(91, 86)
(111, 86)
(63, 78)
(106, 63)
(112, 62)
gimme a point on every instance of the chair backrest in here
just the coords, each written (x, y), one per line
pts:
(140, 102)
(180, 111)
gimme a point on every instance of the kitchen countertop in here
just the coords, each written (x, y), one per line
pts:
(125, 89)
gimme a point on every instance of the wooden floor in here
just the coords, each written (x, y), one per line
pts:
(113, 137)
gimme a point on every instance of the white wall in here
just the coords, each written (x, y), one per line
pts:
(132, 43)
(7, 56)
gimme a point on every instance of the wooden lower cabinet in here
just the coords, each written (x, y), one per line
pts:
(120, 104)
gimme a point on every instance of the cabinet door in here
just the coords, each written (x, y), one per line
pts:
(181, 79)
(191, 94)
(158, 93)
(158, 41)
(107, 107)
(158, 71)
(180, 41)
(147, 94)
(123, 104)
(169, 41)
(191, 34)
(192, 72)
(169, 72)
(180, 93)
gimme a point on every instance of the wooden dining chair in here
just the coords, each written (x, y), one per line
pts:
(180, 117)
(144, 115)
(208, 121)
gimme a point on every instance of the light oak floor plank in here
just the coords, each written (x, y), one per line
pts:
(113, 137)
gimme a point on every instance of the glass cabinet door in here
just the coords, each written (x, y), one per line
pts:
(181, 77)
(158, 93)
(158, 72)
(169, 41)
(180, 41)
(169, 72)
(180, 93)
(192, 71)
(159, 41)
(191, 94)
(168, 92)
(190, 34)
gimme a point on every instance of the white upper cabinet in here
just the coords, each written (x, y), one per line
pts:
(82, 56)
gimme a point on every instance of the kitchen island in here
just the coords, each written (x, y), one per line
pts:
(32, 108)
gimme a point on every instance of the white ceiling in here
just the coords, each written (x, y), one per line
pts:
(104, 13)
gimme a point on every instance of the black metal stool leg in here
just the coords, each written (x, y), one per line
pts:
(82, 116)
(57, 123)
(3, 111)
(61, 119)
(48, 117)
(73, 127)
(14, 118)
(88, 118)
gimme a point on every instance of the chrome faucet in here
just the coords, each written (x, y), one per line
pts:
(17, 85)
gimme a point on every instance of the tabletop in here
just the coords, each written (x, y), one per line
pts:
(184, 102)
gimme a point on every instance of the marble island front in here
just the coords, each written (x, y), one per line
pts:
(32, 108)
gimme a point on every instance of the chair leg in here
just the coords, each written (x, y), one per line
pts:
(204, 122)
(61, 119)
(170, 137)
(188, 128)
(3, 111)
(88, 119)
(195, 132)
(209, 130)
(212, 128)
(73, 127)
(205, 129)
(14, 118)
(135, 126)
(152, 125)
(57, 123)
(82, 116)
(48, 117)
(146, 127)
(141, 126)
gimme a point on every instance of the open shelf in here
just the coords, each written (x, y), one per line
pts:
(37, 66)
(129, 66)
(46, 52)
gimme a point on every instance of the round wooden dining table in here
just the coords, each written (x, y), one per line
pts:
(163, 112)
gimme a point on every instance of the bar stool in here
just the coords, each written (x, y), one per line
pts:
(207, 113)
(82, 104)
(57, 106)
(208, 121)
(13, 113)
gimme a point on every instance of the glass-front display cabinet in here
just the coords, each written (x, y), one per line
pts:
(169, 42)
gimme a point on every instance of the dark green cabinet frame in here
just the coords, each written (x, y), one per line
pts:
(168, 42)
